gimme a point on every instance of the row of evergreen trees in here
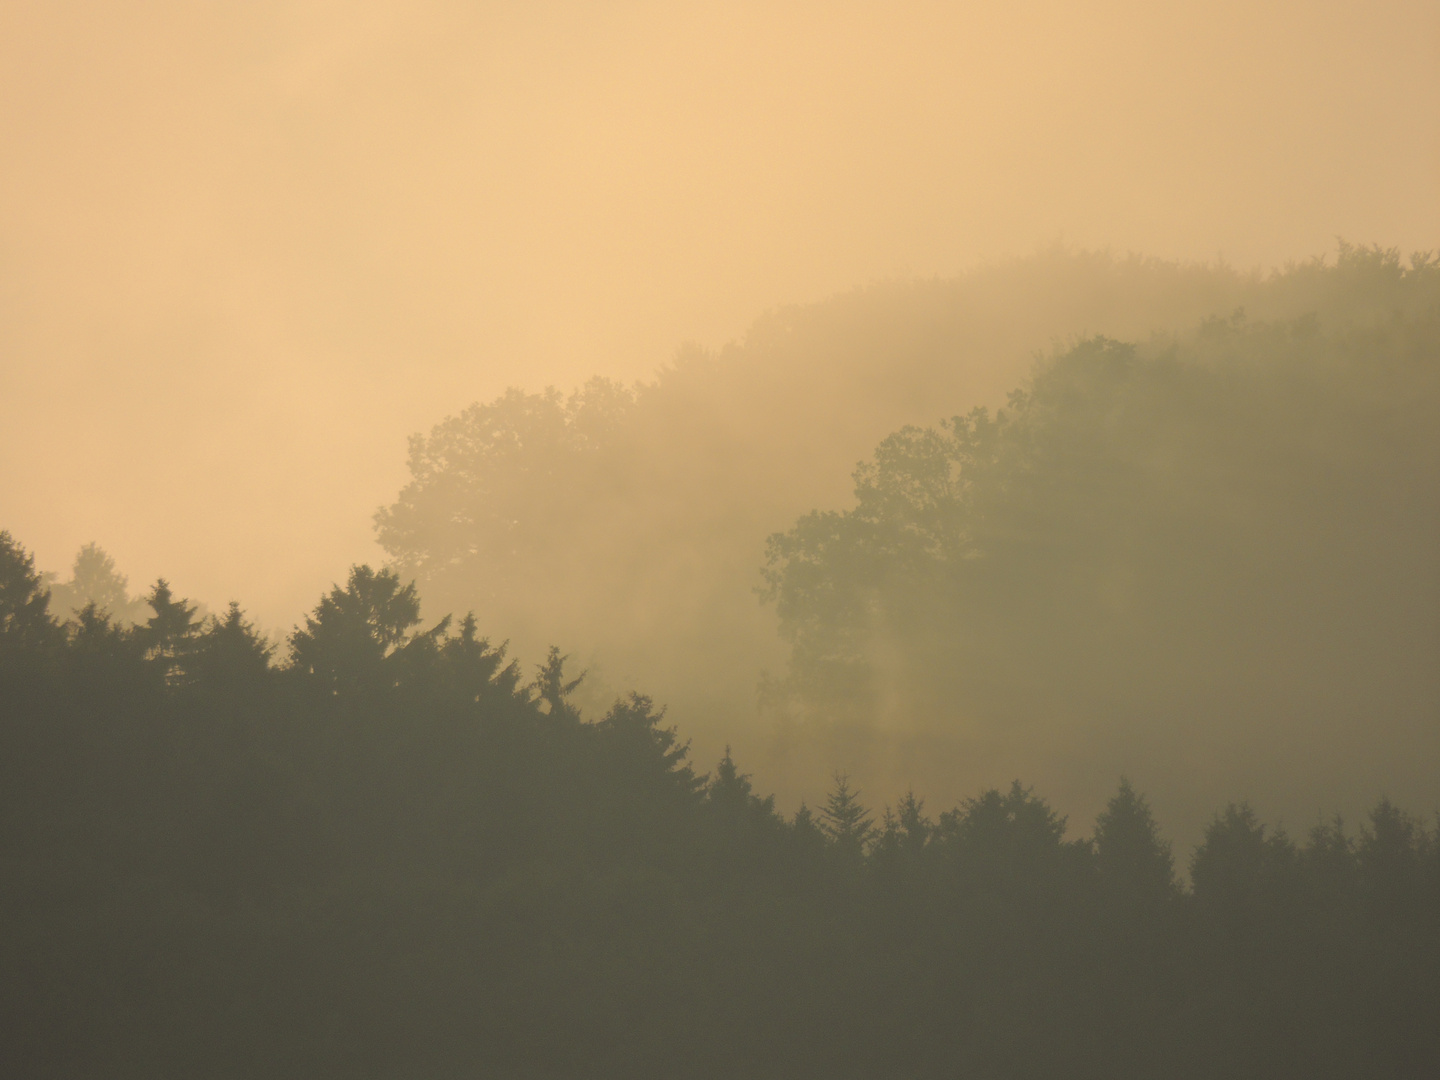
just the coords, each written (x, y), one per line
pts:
(388, 853)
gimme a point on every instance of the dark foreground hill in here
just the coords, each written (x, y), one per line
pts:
(390, 855)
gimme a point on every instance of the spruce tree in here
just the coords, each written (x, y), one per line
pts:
(845, 821)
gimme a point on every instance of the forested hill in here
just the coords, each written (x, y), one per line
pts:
(1275, 427)
(390, 853)
(1212, 560)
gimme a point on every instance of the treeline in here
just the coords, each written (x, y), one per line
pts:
(1214, 548)
(1206, 536)
(389, 853)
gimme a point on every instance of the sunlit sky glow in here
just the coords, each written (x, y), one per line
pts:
(245, 250)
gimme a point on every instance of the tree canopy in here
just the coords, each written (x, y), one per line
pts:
(383, 851)
(1215, 513)
(1157, 542)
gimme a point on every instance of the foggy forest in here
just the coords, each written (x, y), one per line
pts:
(764, 544)
(1199, 555)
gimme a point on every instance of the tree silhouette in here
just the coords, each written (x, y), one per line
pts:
(94, 579)
(844, 820)
(904, 836)
(1131, 858)
(170, 635)
(25, 622)
(1239, 871)
(229, 656)
(554, 689)
(354, 631)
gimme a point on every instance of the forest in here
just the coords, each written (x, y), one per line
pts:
(1111, 514)
(390, 852)
(1185, 573)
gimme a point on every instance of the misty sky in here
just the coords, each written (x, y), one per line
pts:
(246, 249)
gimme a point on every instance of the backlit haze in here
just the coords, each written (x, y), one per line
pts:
(246, 250)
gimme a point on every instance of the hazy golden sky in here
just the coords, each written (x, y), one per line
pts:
(245, 249)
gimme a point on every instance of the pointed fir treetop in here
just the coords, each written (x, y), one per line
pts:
(844, 820)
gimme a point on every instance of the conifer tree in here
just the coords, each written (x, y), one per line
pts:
(554, 690)
(845, 821)
(170, 636)
(24, 602)
(731, 798)
(1130, 856)
(729, 789)
(1237, 866)
(354, 630)
(230, 654)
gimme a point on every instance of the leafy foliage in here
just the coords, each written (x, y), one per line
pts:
(1215, 545)
(628, 521)
(94, 579)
